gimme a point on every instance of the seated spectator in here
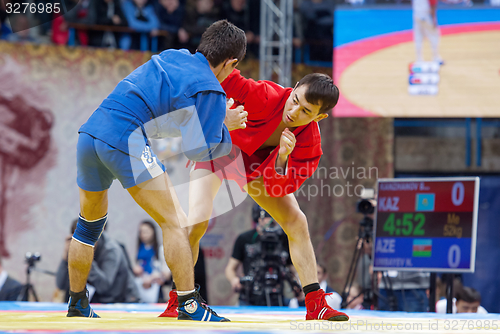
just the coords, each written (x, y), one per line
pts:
(10, 289)
(355, 298)
(43, 18)
(322, 278)
(108, 13)
(197, 20)
(110, 279)
(60, 33)
(171, 15)
(318, 27)
(245, 16)
(84, 12)
(21, 29)
(151, 270)
(333, 298)
(236, 12)
(404, 291)
(4, 27)
(467, 300)
(142, 18)
(297, 27)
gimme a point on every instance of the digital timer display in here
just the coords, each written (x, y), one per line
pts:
(427, 224)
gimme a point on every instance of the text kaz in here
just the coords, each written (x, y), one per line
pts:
(388, 204)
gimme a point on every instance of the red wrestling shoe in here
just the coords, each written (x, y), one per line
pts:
(173, 303)
(318, 308)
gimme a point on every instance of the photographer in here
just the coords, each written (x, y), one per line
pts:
(110, 276)
(360, 274)
(9, 287)
(264, 255)
(398, 291)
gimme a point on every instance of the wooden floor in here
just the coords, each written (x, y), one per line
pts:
(469, 87)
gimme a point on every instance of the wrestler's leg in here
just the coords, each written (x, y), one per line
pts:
(93, 206)
(157, 197)
(203, 187)
(418, 38)
(433, 35)
(286, 211)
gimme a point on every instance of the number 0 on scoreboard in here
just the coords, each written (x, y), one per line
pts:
(426, 224)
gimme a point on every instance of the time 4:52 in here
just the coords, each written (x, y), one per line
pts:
(409, 224)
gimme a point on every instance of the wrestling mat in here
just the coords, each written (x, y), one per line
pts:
(17, 317)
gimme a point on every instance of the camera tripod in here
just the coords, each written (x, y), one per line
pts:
(28, 287)
(370, 294)
(363, 238)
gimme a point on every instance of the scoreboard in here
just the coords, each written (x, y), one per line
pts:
(426, 224)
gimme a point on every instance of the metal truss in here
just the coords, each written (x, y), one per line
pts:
(276, 17)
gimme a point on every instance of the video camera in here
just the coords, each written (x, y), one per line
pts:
(271, 244)
(366, 207)
(268, 269)
(31, 258)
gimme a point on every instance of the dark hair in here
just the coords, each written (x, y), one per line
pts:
(258, 212)
(221, 41)
(73, 226)
(468, 295)
(155, 237)
(320, 265)
(320, 91)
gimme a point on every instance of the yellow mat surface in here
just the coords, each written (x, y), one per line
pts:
(17, 321)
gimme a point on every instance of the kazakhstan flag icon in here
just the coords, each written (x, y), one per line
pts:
(425, 202)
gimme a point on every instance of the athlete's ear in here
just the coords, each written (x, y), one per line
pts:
(231, 63)
(320, 117)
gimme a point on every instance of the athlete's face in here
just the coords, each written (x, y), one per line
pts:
(298, 111)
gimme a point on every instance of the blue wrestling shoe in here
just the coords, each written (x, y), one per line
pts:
(193, 307)
(78, 305)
